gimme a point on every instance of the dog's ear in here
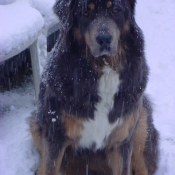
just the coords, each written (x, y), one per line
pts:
(64, 10)
(132, 4)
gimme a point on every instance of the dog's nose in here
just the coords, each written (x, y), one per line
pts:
(104, 40)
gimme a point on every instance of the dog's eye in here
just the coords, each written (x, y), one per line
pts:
(86, 13)
(116, 10)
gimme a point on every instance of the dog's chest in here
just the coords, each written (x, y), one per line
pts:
(96, 131)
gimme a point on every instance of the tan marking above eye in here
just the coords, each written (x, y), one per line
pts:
(92, 6)
(109, 4)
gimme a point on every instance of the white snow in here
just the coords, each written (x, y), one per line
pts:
(45, 7)
(20, 26)
(156, 18)
(22, 22)
(17, 154)
(4, 2)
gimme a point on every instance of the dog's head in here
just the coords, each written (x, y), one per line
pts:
(97, 23)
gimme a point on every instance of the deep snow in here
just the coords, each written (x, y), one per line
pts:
(17, 155)
(19, 28)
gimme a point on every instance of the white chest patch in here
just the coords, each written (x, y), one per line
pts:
(98, 129)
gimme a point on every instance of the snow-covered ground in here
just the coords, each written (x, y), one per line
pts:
(156, 18)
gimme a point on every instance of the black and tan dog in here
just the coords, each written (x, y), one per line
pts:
(93, 117)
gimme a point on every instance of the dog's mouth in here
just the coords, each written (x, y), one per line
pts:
(103, 52)
(102, 44)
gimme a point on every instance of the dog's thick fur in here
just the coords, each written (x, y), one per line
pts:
(93, 117)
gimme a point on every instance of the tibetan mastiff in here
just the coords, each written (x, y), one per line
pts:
(93, 117)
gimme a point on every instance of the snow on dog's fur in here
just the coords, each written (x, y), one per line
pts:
(91, 103)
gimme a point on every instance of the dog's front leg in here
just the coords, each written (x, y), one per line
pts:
(51, 154)
(56, 153)
(120, 158)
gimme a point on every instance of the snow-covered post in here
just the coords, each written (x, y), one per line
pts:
(39, 48)
(38, 52)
